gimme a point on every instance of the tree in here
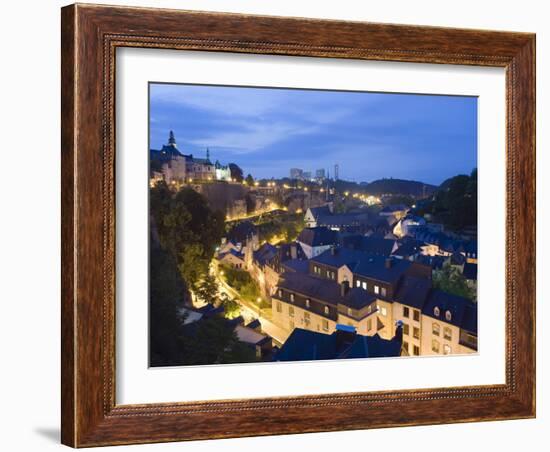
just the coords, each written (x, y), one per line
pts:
(188, 229)
(450, 280)
(236, 172)
(231, 308)
(207, 291)
(166, 289)
(456, 202)
(249, 180)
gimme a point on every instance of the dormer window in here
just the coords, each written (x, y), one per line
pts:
(307, 302)
(326, 310)
(280, 293)
(437, 311)
(448, 316)
(292, 297)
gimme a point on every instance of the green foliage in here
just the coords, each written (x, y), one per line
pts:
(231, 308)
(242, 282)
(207, 291)
(187, 228)
(287, 226)
(236, 172)
(166, 290)
(400, 199)
(456, 203)
(249, 180)
(450, 280)
(213, 341)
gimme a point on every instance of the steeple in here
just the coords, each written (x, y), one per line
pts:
(172, 140)
(207, 154)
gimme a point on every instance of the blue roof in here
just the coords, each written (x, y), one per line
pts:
(463, 311)
(304, 345)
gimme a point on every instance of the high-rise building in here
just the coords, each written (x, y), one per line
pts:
(306, 175)
(296, 173)
(336, 168)
(320, 174)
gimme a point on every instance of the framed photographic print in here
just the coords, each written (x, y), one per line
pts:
(282, 225)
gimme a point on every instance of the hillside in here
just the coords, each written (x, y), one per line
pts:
(401, 187)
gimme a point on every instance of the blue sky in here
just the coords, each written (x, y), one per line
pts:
(267, 131)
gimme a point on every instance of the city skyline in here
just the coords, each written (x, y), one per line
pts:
(408, 136)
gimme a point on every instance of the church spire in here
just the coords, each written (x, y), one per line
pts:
(207, 154)
(172, 140)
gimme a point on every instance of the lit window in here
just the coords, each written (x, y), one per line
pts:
(447, 349)
(436, 311)
(383, 311)
(435, 346)
(326, 310)
(435, 329)
(291, 311)
(357, 283)
(406, 347)
(383, 291)
(405, 311)
(364, 285)
(447, 333)
(306, 318)
(416, 332)
(376, 289)
(292, 297)
(416, 315)
(280, 293)
(349, 311)
(448, 316)
(307, 302)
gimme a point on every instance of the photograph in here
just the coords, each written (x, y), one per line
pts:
(294, 224)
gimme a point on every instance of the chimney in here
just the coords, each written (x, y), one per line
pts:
(344, 288)
(388, 262)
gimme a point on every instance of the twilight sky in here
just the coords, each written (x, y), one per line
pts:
(267, 131)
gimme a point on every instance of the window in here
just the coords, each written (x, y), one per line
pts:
(448, 316)
(364, 284)
(406, 329)
(279, 307)
(291, 311)
(357, 283)
(416, 350)
(416, 315)
(325, 325)
(447, 333)
(447, 349)
(369, 324)
(435, 346)
(280, 293)
(316, 269)
(383, 310)
(383, 291)
(307, 303)
(436, 311)
(406, 347)
(376, 289)
(416, 332)
(349, 311)
(405, 311)
(292, 297)
(307, 319)
(435, 329)
(326, 310)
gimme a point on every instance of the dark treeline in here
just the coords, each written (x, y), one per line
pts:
(184, 236)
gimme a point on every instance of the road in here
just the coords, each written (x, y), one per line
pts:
(250, 311)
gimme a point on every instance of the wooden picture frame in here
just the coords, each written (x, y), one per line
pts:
(90, 36)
